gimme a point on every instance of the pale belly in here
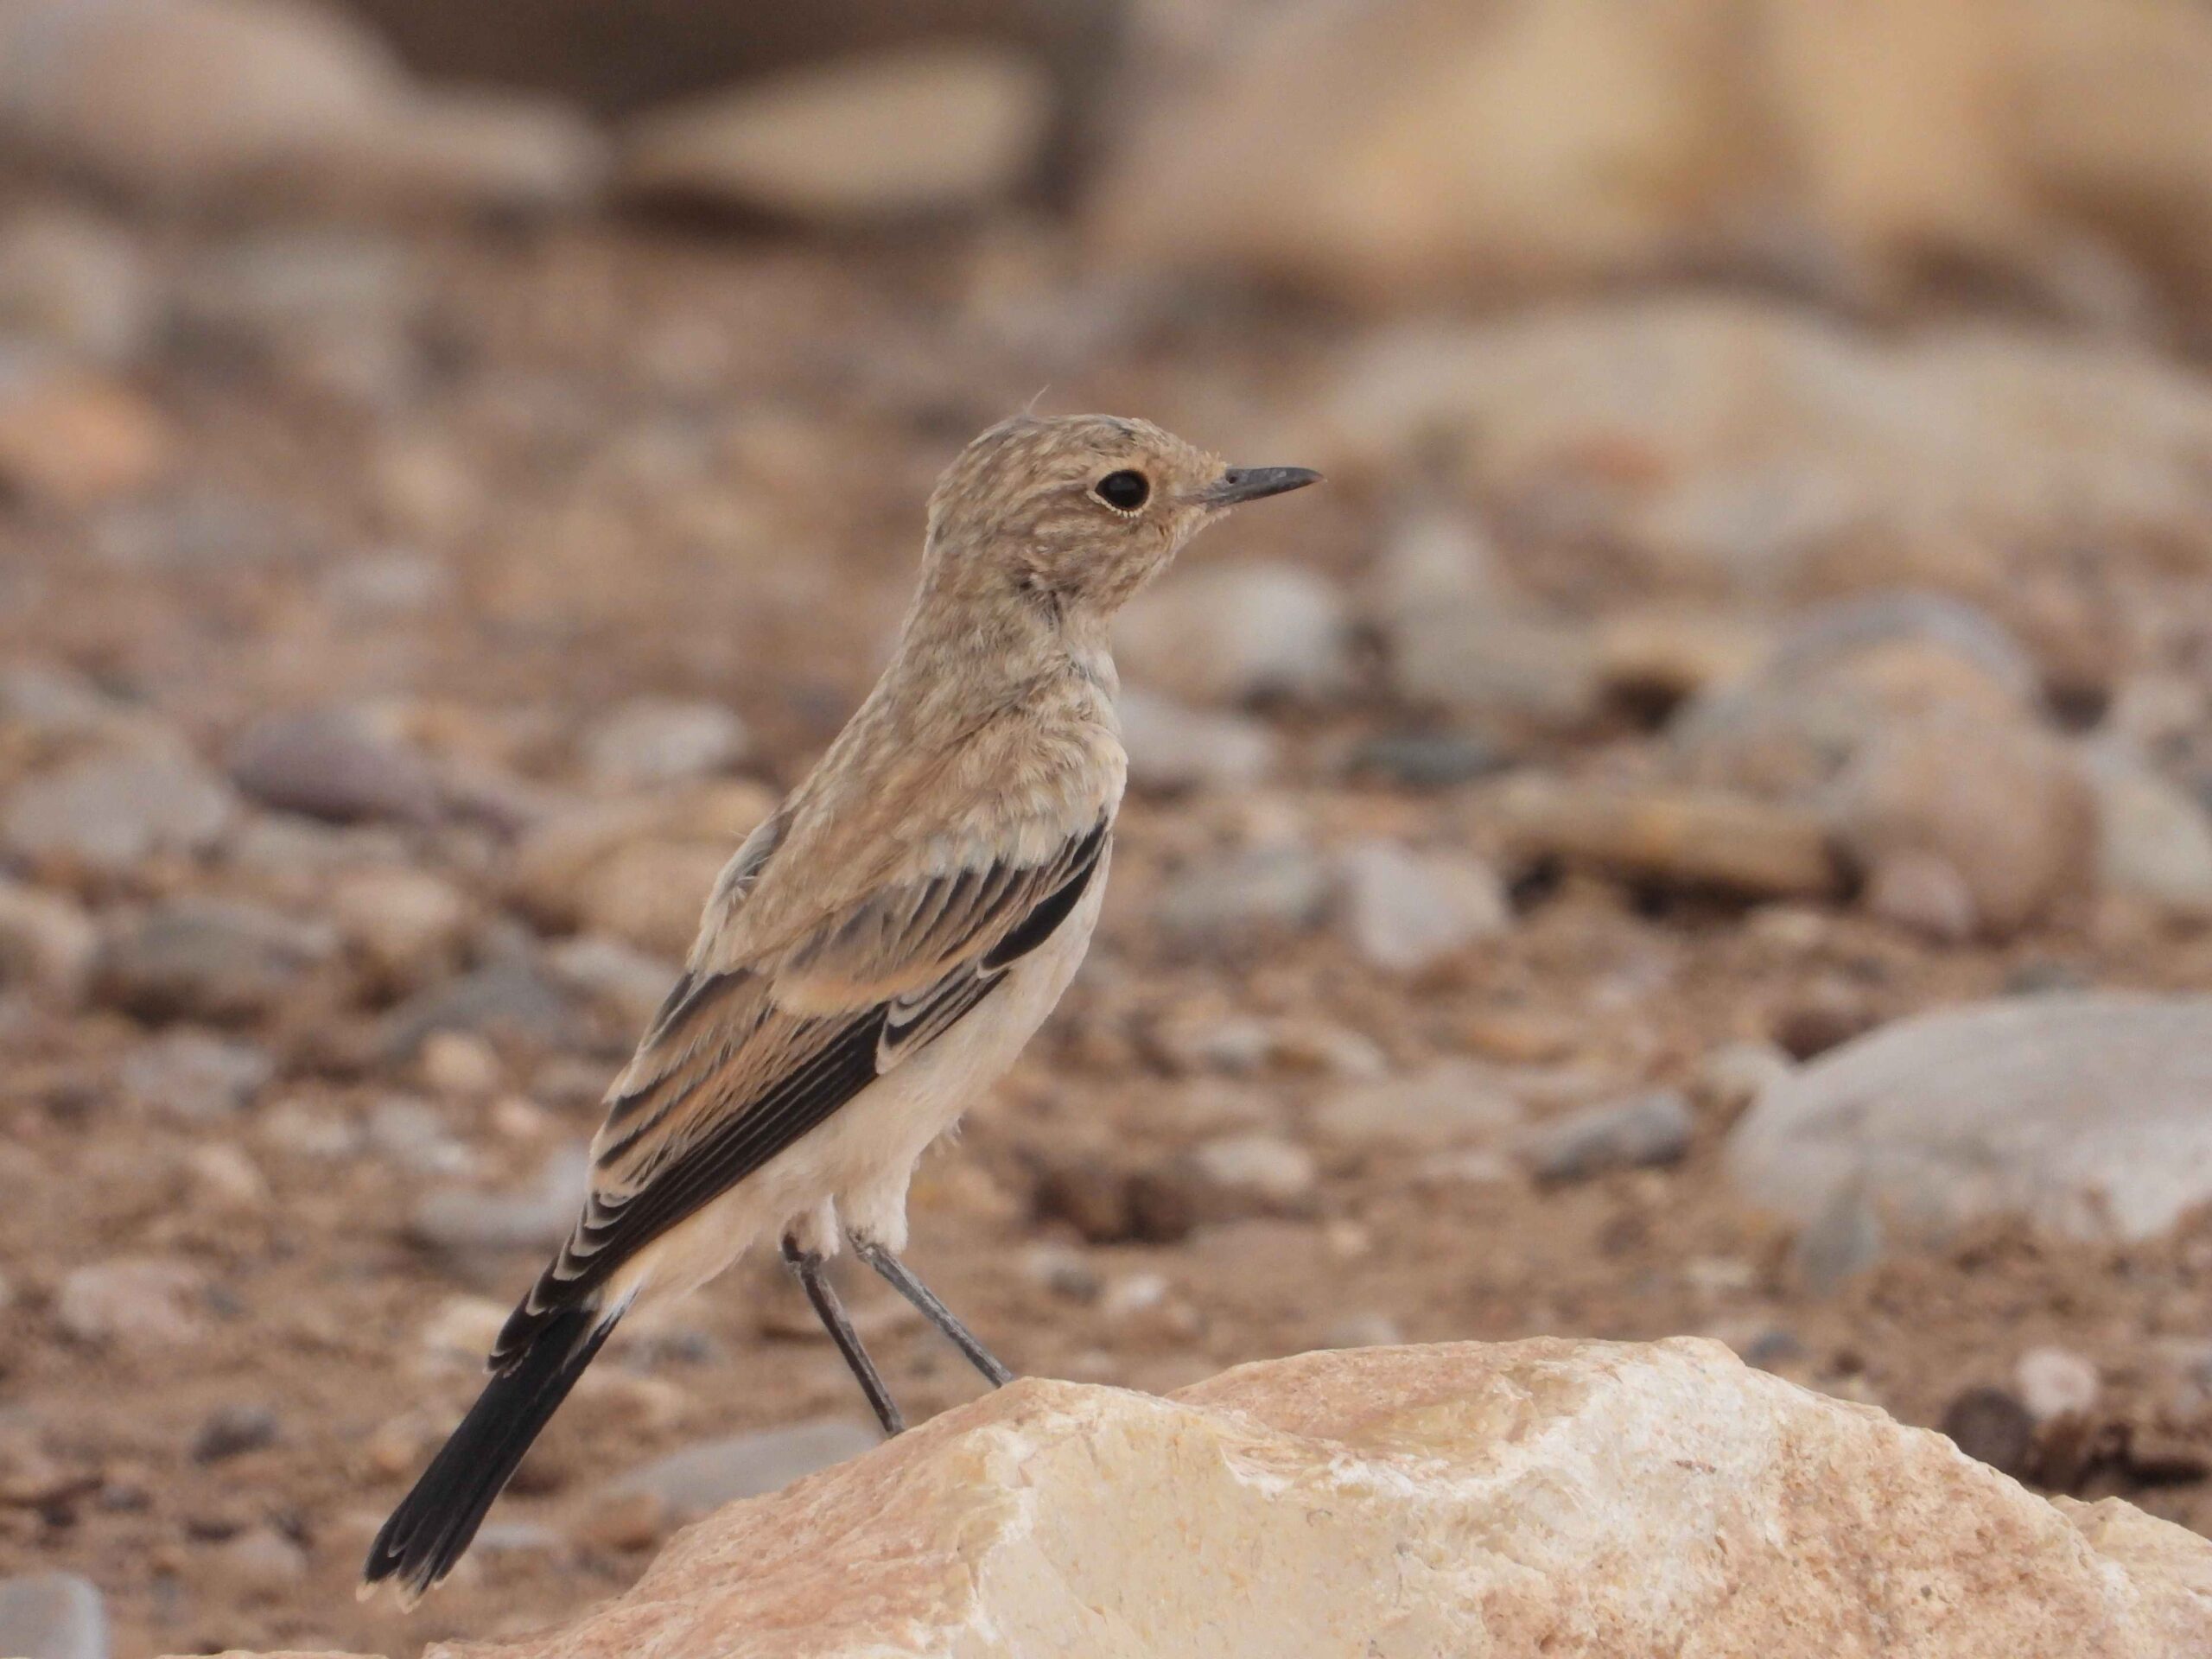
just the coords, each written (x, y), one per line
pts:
(853, 1170)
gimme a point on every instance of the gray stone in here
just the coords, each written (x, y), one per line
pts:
(1225, 633)
(661, 741)
(1256, 1169)
(538, 1218)
(512, 998)
(1454, 1103)
(1240, 896)
(1643, 1130)
(217, 960)
(2056, 1382)
(2086, 1113)
(109, 812)
(1501, 669)
(137, 1302)
(2154, 839)
(1173, 746)
(703, 1477)
(414, 1134)
(46, 942)
(194, 1076)
(232, 1430)
(333, 764)
(1430, 759)
(52, 1615)
(1404, 911)
(629, 982)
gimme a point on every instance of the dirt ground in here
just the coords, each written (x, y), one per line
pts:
(648, 460)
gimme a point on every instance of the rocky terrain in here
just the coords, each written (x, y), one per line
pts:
(1700, 829)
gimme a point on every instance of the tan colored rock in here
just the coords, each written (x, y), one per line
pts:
(1404, 150)
(1580, 1500)
(2003, 803)
(72, 438)
(639, 870)
(1691, 837)
(928, 130)
(200, 100)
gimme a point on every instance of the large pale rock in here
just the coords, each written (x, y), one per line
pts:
(1578, 1500)
(1409, 150)
(199, 100)
(2087, 1113)
(906, 134)
(1744, 442)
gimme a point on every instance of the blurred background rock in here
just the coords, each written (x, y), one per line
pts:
(1702, 827)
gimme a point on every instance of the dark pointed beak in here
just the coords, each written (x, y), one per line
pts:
(1241, 484)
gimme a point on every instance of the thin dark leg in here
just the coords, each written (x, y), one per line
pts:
(806, 1267)
(901, 1278)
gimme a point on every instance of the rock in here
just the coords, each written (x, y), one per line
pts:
(1696, 838)
(233, 1429)
(2153, 841)
(46, 942)
(637, 870)
(71, 438)
(1656, 1496)
(217, 101)
(1453, 1103)
(1632, 1134)
(464, 1219)
(931, 130)
(1763, 447)
(2083, 1112)
(650, 740)
(133, 1303)
(1922, 890)
(195, 1077)
(75, 282)
(1501, 669)
(333, 764)
(1837, 678)
(2056, 1382)
(409, 925)
(1991, 1426)
(510, 1000)
(52, 1615)
(1225, 633)
(1733, 1075)
(2002, 804)
(701, 1478)
(1174, 748)
(1237, 897)
(223, 1177)
(1404, 911)
(109, 812)
(460, 1065)
(1429, 759)
(629, 983)
(262, 1561)
(414, 1134)
(216, 960)
(1252, 1174)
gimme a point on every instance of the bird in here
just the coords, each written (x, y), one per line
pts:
(877, 952)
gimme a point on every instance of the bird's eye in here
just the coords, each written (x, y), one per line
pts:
(1124, 491)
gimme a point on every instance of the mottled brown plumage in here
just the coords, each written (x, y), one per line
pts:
(881, 949)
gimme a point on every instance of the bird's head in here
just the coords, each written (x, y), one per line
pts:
(1079, 511)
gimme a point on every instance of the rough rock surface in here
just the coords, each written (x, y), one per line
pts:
(2087, 1113)
(1569, 1498)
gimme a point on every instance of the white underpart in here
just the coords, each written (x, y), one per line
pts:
(851, 1172)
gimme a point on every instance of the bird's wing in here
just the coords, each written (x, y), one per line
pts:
(742, 1062)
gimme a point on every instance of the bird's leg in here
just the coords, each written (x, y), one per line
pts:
(806, 1267)
(901, 1278)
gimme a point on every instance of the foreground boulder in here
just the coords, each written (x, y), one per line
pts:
(1575, 1499)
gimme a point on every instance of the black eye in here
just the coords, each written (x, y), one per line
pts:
(1124, 491)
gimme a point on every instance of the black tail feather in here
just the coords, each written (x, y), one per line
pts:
(435, 1522)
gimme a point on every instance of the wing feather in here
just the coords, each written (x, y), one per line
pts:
(741, 1063)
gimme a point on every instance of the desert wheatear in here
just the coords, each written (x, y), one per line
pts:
(878, 950)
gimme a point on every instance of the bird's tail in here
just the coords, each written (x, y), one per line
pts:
(434, 1522)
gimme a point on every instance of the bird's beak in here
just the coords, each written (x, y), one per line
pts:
(1241, 484)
